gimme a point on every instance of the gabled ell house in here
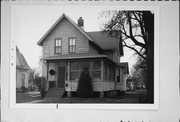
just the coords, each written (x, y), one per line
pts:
(67, 48)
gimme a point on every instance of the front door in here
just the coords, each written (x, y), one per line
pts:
(61, 77)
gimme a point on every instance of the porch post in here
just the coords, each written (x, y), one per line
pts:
(115, 82)
(68, 71)
(47, 82)
(68, 78)
(102, 70)
(57, 63)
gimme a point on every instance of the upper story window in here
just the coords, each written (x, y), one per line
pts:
(72, 45)
(58, 45)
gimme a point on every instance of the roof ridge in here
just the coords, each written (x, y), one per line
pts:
(96, 31)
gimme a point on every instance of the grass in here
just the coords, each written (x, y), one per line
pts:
(35, 97)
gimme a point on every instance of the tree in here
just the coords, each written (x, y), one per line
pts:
(84, 84)
(135, 30)
(33, 79)
(139, 72)
(32, 75)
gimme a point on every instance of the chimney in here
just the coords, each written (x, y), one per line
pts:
(81, 22)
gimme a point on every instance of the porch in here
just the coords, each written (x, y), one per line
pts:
(65, 73)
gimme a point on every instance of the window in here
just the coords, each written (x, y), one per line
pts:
(74, 71)
(109, 72)
(96, 70)
(58, 45)
(72, 45)
(76, 67)
(118, 75)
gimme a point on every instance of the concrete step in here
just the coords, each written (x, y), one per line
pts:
(54, 93)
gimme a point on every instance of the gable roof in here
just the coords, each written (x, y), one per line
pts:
(100, 39)
(21, 61)
(57, 22)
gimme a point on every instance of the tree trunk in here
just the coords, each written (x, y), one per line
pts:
(148, 18)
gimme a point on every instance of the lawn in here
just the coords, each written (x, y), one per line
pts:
(34, 97)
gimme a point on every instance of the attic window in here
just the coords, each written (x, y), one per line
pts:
(72, 45)
(58, 45)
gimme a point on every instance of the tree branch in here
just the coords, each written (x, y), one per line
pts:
(134, 50)
(130, 32)
(138, 36)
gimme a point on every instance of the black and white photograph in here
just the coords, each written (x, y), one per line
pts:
(89, 61)
(83, 55)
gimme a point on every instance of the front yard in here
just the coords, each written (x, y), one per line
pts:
(35, 97)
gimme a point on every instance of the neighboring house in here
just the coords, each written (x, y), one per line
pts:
(22, 70)
(130, 84)
(123, 71)
(67, 48)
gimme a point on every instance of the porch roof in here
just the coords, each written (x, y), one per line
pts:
(124, 65)
(76, 56)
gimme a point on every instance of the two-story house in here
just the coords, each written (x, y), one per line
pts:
(67, 48)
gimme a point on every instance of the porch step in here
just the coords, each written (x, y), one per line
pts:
(55, 93)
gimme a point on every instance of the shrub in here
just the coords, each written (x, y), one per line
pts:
(41, 84)
(31, 87)
(38, 82)
(43, 87)
(23, 89)
(84, 84)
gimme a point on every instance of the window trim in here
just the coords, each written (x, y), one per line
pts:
(60, 38)
(72, 45)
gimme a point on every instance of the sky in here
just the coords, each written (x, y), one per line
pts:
(30, 22)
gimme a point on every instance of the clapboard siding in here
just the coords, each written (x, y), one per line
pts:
(121, 86)
(65, 30)
(113, 54)
(116, 56)
(97, 86)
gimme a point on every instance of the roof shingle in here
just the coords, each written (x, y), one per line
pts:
(20, 61)
(103, 40)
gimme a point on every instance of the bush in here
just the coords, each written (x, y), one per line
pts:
(41, 84)
(23, 89)
(38, 82)
(31, 87)
(84, 84)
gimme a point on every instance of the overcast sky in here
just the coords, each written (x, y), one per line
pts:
(30, 22)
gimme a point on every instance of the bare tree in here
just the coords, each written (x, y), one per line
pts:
(135, 30)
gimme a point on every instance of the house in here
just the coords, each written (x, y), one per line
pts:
(130, 84)
(67, 48)
(22, 70)
(123, 70)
